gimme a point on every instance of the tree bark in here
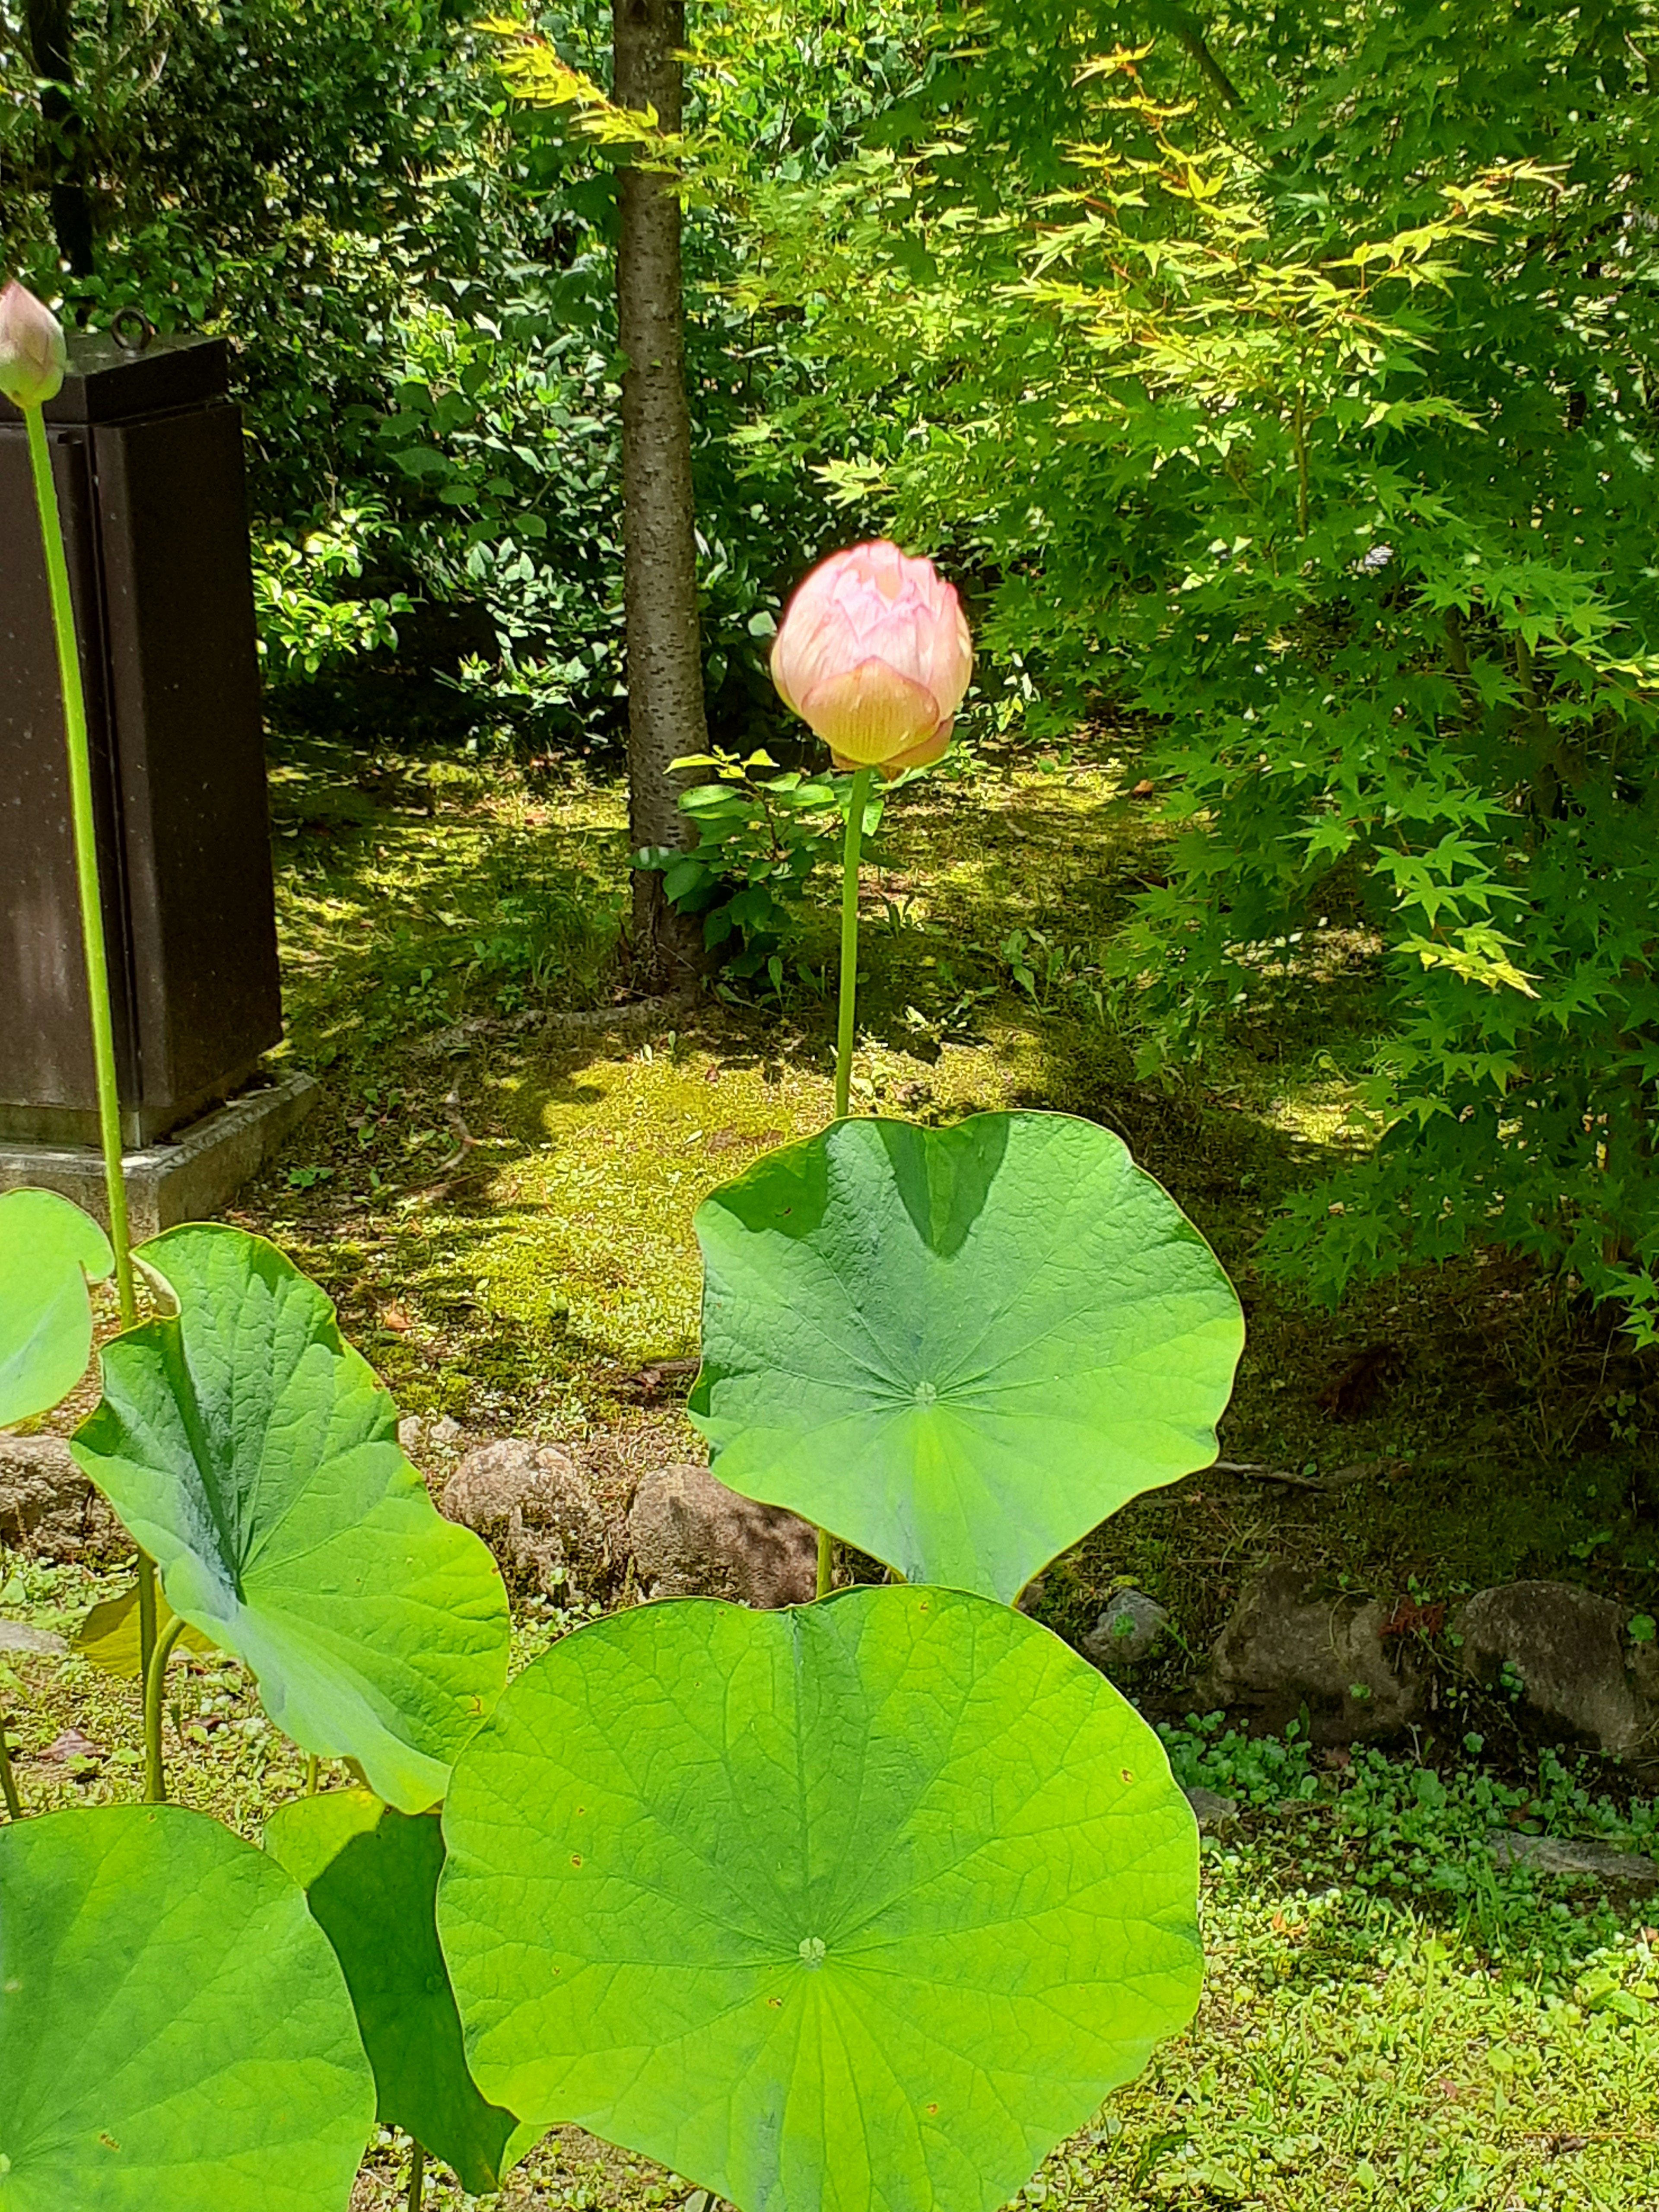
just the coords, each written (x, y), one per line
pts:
(665, 710)
(48, 25)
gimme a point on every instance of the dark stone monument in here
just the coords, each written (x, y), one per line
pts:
(147, 454)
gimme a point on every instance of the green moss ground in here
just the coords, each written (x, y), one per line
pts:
(498, 1189)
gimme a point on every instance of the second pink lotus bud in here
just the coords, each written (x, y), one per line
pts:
(874, 653)
(32, 353)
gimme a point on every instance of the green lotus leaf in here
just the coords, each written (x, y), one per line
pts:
(960, 1349)
(253, 1454)
(49, 1252)
(370, 1876)
(855, 1907)
(174, 2029)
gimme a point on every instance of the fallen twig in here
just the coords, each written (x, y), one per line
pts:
(1339, 1478)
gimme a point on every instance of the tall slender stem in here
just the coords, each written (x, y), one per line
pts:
(146, 1613)
(7, 1780)
(92, 922)
(86, 858)
(849, 937)
(311, 1775)
(857, 799)
(155, 1786)
(416, 2174)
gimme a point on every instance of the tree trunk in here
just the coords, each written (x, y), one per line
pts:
(665, 716)
(48, 23)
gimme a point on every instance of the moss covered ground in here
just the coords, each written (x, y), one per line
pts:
(497, 1189)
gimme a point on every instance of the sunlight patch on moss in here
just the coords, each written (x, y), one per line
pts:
(592, 1231)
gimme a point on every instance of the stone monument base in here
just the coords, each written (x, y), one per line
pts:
(185, 1177)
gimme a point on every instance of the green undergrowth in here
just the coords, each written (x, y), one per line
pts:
(1391, 2016)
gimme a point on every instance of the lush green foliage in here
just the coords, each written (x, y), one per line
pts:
(370, 1875)
(173, 2027)
(1289, 387)
(253, 1455)
(959, 1348)
(414, 273)
(968, 1806)
(49, 1253)
(782, 1898)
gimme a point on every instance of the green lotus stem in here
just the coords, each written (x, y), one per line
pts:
(155, 1786)
(92, 924)
(7, 1780)
(86, 858)
(416, 2174)
(849, 937)
(146, 1573)
(857, 798)
(311, 1775)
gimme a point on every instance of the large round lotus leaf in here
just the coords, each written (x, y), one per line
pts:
(175, 2030)
(864, 1905)
(960, 1348)
(370, 1876)
(253, 1454)
(49, 1250)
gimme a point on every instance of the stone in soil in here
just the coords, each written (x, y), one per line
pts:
(537, 1511)
(1285, 1648)
(415, 1435)
(1551, 1855)
(1566, 1658)
(48, 1508)
(1130, 1628)
(692, 1537)
(18, 1635)
(1210, 1809)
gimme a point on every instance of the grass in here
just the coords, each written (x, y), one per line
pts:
(498, 1189)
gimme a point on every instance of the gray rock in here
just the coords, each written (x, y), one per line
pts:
(1568, 1657)
(692, 1537)
(1210, 1808)
(1284, 1648)
(17, 1636)
(1550, 1854)
(49, 1508)
(1130, 1628)
(537, 1511)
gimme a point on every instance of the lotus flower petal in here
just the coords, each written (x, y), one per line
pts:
(870, 713)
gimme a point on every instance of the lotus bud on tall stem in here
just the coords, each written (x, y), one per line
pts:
(874, 655)
(33, 357)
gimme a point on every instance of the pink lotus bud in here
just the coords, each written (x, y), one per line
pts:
(32, 354)
(873, 651)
